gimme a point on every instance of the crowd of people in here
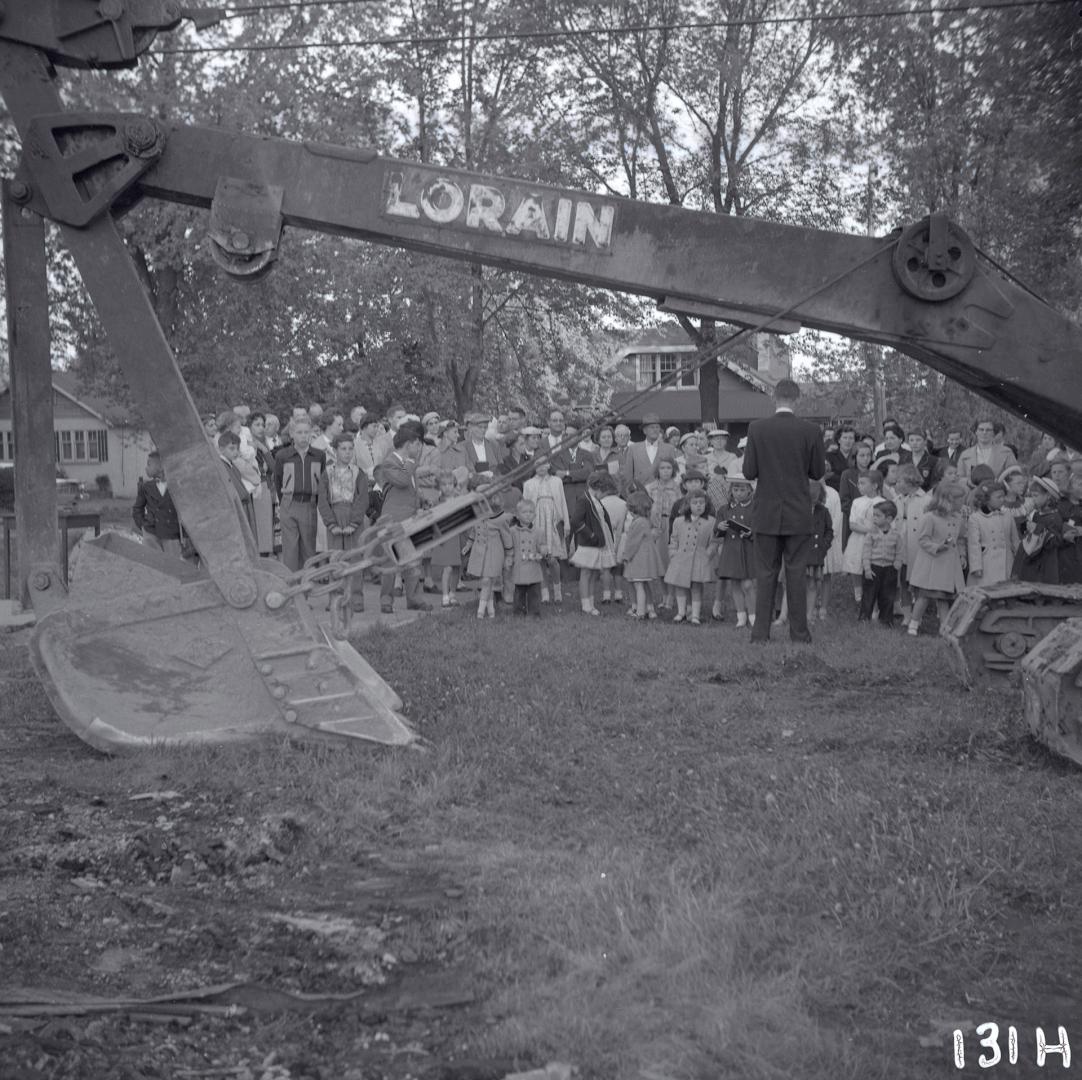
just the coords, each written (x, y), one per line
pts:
(665, 526)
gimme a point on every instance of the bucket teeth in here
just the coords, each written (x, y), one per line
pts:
(172, 663)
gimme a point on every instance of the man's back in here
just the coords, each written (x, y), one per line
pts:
(782, 454)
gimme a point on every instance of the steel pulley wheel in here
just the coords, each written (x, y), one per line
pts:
(934, 259)
(1012, 644)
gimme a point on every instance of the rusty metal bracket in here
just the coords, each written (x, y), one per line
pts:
(81, 163)
(96, 33)
(245, 227)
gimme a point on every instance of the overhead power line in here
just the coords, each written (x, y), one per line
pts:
(596, 31)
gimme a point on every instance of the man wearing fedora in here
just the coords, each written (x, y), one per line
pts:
(643, 457)
(483, 454)
(783, 454)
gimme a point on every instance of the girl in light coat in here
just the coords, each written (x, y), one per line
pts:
(691, 551)
(936, 573)
(552, 526)
(991, 536)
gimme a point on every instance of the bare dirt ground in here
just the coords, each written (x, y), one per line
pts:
(111, 893)
(657, 853)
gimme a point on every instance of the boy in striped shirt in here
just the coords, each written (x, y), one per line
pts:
(882, 559)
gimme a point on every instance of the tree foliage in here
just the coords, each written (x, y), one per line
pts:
(973, 113)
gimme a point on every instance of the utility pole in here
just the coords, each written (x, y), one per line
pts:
(873, 354)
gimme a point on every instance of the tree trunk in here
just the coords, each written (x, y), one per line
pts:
(705, 338)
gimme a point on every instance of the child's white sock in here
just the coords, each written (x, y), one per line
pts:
(751, 618)
(741, 618)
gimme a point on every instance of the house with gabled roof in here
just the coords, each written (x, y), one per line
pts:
(747, 375)
(95, 440)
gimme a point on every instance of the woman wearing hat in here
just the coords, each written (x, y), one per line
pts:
(452, 454)
(691, 455)
(1037, 557)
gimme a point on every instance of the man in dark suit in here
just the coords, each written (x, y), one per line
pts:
(953, 450)
(783, 454)
(154, 514)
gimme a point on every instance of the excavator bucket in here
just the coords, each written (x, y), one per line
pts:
(146, 651)
(991, 628)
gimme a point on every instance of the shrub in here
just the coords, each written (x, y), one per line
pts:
(105, 485)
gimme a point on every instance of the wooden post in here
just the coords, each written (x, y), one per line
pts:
(36, 531)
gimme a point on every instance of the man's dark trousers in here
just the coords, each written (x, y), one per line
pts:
(770, 552)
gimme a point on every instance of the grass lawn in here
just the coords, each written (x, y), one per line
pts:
(652, 851)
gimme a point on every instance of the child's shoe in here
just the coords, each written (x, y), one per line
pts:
(446, 600)
(912, 629)
(606, 597)
(618, 597)
(741, 618)
(751, 618)
(544, 595)
(557, 594)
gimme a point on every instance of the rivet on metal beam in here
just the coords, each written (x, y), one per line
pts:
(291, 716)
(41, 581)
(20, 189)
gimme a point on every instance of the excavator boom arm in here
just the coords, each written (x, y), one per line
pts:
(969, 322)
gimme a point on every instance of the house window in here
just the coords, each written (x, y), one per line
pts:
(7, 446)
(74, 447)
(653, 367)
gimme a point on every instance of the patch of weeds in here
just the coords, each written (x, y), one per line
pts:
(617, 949)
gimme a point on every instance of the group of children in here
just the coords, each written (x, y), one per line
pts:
(928, 546)
(672, 549)
(666, 544)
